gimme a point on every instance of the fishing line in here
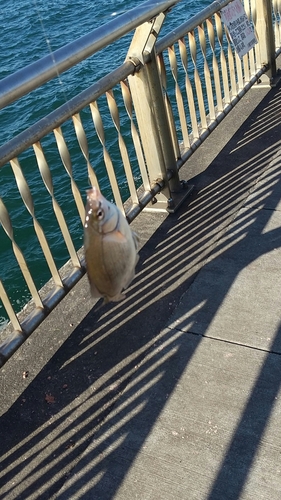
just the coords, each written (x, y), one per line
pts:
(48, 42)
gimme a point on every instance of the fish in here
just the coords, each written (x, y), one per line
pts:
(111, 248)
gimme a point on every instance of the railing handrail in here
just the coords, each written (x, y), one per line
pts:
(39, 129)
(57, 117)
(34, 75)
(189, 25)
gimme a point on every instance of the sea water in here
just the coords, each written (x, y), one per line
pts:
(31, 29)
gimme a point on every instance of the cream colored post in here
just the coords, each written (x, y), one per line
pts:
(265, 32)
(147, 95)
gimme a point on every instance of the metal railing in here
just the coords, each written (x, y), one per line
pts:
(166, 102)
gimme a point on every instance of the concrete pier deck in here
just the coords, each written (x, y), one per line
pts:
(175, 392)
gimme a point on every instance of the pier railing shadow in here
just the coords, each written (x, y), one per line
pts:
(96, 401)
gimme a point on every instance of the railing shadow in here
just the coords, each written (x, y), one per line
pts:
(101, 393)
(245, 445)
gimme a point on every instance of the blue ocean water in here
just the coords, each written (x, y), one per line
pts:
(30, 29)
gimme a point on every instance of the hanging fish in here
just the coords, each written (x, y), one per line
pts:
(111, 248)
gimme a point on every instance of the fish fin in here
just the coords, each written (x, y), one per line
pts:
(119, 297)
(116, 298)
(133, 273)
(136, 240)
(94, 291)
(130, 279)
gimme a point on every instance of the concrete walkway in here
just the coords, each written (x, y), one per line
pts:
(174, 393)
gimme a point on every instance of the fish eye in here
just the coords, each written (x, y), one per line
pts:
(100, 214)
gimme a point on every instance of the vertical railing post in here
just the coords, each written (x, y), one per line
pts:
(147, 95)
(265, 32)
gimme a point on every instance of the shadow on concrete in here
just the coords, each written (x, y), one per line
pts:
(76, 399)
(250, 430)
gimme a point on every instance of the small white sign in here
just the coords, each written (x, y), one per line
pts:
(240, 28)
